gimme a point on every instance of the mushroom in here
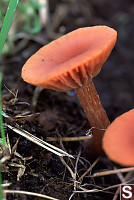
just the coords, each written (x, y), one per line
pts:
(70, 62)
(118, 140)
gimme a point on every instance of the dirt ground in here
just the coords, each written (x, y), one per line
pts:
(57, 114)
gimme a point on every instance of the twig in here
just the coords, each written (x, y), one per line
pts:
(38, 141)
(75, 171)
(97, 190)
(69, 169)
(71, 196)
(89, 169)
(109, 172)
(29, 193)
(116, 193)
(68, 139)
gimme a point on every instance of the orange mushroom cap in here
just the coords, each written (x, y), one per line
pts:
(118, 140)
(70, 60)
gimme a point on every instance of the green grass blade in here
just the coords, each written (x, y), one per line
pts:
(3, 141)
(7, 22)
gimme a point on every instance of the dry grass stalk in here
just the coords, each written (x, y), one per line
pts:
(28, 193)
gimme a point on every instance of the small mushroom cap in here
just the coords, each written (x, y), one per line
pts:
(72, 59)
(118, 140)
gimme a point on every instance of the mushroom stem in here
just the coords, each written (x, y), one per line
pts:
(96, 115)
(92, 106)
